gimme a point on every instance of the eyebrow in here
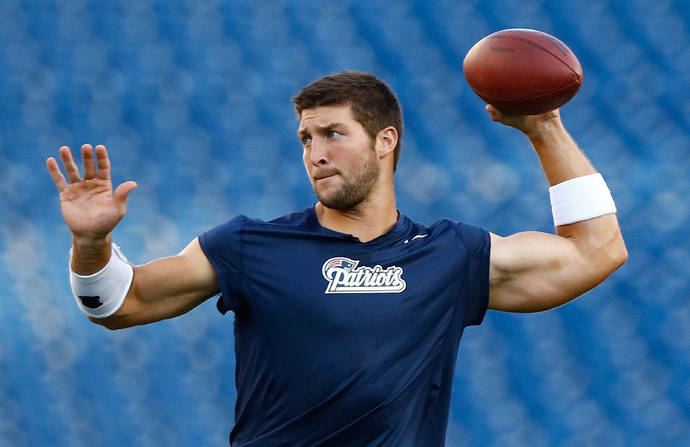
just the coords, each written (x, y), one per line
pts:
(303, 131)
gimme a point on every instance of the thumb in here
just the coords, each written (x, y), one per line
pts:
(494, 113)
(121, 193)
(516, 121)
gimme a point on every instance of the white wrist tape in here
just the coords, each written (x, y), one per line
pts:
(101, 294)
(581, 198)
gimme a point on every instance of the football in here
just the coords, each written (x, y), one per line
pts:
(523, 71)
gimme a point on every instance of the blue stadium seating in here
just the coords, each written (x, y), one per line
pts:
(192, 97)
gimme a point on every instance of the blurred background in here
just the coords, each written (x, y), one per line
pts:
(192, 99)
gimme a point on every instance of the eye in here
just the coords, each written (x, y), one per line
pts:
(306, 141)
(333, 134)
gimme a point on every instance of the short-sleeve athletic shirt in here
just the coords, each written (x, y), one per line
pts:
(344, 343)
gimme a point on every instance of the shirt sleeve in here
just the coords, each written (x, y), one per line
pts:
(478, 245)
(223, 246)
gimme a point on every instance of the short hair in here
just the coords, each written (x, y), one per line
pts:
(373, 103)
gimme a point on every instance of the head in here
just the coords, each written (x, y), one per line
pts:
(372, 102)
(347, 168)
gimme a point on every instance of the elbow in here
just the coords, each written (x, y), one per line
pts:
(112, 323)
(616, 254)
(619, 252)
(603, 260)
(123, 318)
(622, 255)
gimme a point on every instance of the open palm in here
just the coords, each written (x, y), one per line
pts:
(89, 206)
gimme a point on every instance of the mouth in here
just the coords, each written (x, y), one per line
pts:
(324, 176)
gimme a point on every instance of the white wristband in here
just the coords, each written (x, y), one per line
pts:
(101, 294)
(580, 198)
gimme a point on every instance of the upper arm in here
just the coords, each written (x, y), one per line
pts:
(166, 288)
(532, 271)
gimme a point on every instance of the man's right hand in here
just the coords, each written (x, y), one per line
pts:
(89, 206)
(160, 289)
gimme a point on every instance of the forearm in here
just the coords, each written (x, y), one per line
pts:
(166, 288)
(90, 255)
(596, 234)
(560, 157)
(538, 271)
(563, 160)
(101, 276)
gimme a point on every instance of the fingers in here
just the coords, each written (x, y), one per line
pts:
(70, 166)
(103, 162)
(516, 121)
(98, 168)
(55, 173)
(89, 164)
(494, 113)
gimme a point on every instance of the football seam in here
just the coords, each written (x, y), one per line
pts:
(565, 87)
(536, 45)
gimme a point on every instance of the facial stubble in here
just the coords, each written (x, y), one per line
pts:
(355, 190)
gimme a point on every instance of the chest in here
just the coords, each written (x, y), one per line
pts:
(335, 289)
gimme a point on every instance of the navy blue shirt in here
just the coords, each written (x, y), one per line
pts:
(344, 343)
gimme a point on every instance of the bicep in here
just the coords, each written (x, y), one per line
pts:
(166, 288)
(532, 272)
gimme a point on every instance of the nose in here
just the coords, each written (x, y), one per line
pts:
(317, 153)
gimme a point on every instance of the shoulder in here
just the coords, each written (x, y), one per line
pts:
(241, 226)
(242, 222)
(476, 240)
(225, 245)
(302, 218)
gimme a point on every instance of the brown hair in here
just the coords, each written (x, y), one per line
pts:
(373, 103)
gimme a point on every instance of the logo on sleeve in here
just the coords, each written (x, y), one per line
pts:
(92, 302)
(344, 276)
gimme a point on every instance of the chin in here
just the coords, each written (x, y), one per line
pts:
(327, 194)
(327, 201)
(339, 202)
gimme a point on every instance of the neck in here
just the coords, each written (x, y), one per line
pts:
(370, 219)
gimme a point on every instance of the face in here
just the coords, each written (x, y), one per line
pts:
(340, 157)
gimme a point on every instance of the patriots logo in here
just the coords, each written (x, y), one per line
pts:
(345, 263)
(344, 276)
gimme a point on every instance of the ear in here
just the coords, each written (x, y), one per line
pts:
(386, 140)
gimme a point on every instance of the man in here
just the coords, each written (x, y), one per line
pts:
(347, 314)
